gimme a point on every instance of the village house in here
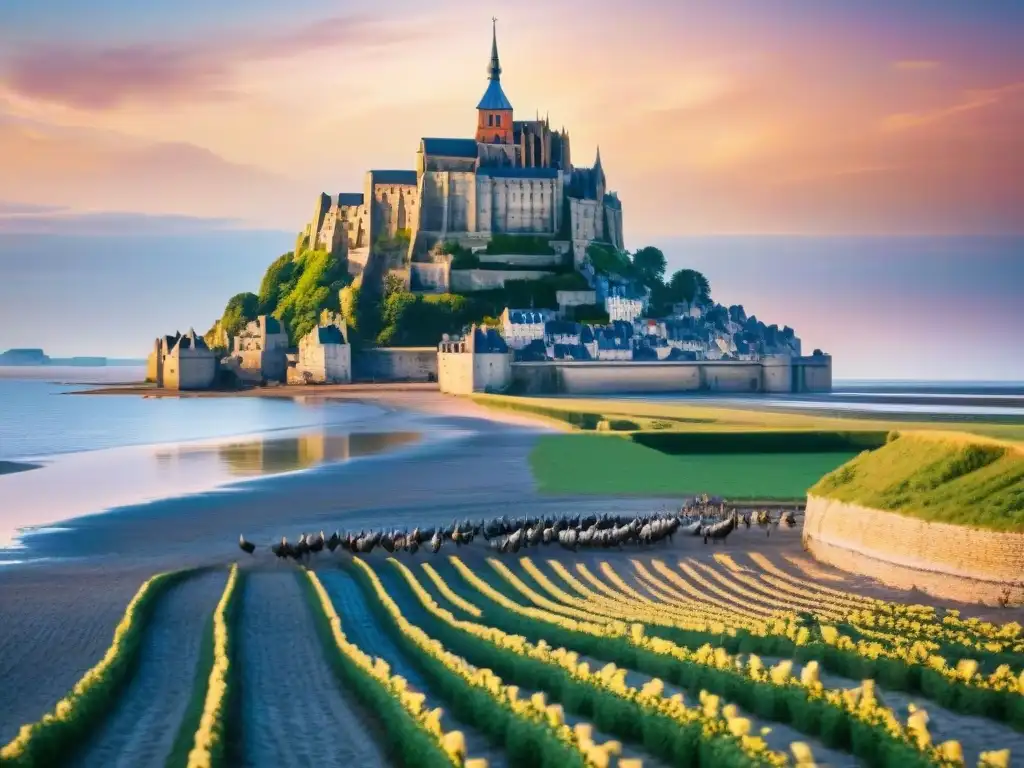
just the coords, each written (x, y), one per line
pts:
(521, 326)
(562, 332)
(260, 349)
(182, 362)
(623, 308)
(324, 357)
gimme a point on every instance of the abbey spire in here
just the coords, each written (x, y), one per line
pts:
(494, 68)
(494, 112)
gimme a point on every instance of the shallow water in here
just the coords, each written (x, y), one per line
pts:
(98, 453)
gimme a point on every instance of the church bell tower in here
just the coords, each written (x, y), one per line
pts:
(494, 112)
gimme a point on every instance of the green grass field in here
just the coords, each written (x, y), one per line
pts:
(582, 464)
(939, 477)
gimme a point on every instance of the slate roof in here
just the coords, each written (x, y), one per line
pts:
(507, 172)
(613, 202)
(561, 327)
(394, 177)
(488, 340)
(525, 316)
(450, 147)
(494, 97)
(350, 198)
(611, 342)
(535, 351)
(330, 334)
(190, 340)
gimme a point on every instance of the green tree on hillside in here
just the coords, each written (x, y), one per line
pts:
(241, 309)
(278, 274)
(688, 285)
(316, 280)
(650, 265)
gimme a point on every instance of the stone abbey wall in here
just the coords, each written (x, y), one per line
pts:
(947, 561)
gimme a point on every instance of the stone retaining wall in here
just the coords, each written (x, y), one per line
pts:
(946, 561)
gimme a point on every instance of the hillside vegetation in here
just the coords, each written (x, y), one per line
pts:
(939, 477)
(295, 289)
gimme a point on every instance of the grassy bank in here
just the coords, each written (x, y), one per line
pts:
(638, 415)
(608, 464)
(939, 477)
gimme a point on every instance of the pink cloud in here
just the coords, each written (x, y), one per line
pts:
(104, 78)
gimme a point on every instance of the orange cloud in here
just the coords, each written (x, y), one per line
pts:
(103, 78)
(970, 101)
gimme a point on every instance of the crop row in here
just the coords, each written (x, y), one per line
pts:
(674, 611)
(209, 742)
(53, 738)
(414, 733)
(533, 732)
(667, 727)
(852, 720)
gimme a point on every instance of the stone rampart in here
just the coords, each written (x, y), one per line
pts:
(594, 378)
(946, 561)
(468, 280)
(395, 364)
(538, 260)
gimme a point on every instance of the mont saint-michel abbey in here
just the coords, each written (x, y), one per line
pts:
(511, 177)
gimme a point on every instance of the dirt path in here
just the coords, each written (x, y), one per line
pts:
(361, 626)
(141, 728)
(294, 711)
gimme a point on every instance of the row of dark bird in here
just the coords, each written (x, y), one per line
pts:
(506, 535)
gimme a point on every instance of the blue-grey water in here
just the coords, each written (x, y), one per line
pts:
(95, 453)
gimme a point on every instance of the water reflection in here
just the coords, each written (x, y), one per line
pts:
(257, 456)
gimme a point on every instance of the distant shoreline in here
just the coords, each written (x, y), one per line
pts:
(285, 390)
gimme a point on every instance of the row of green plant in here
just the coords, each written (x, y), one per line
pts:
(210, 739)
(53, 739)
(678, 744)
(525, 743)
(405, 741)
(895, 674)
(782, 703)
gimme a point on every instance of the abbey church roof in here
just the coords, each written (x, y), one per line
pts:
(450, 147)
(494, 97)
(508, 172)
(394, 177)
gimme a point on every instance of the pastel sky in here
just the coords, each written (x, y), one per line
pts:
(186, 140)
(741, 116)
